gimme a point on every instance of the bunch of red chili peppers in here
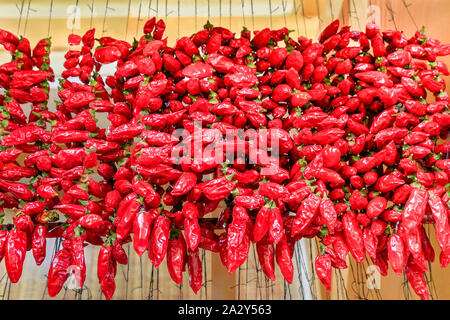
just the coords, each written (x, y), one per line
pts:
(339, 139)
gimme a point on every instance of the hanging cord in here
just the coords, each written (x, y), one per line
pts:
(220, 12)
(284, 5)
(128, 19)
(20, 17)
(28, 14)
(104, 17)
(50, 18)
(304, 19)
(391, 12)
(410, 14)
(139, 19)
(91, 7)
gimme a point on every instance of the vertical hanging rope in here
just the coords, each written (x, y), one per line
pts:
(178, 20)
(141, 278)
(239, 283)
(205, 274)
(209, 10)
(128, 272)
(304, 19)
(331, 10)
(243, 13)
(149, 9)
(165, 8)
(356, 14)
(342, 15)
(20, 16)
(229, 14)
(196, 15)
(74, 16)
(157, 284)
(150, 286)
(104, 17)
(253, 15)
(50, 18)
(91, 7)
(284, 5)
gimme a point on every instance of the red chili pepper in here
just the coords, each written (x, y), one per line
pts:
(39, 243)
(306, 214)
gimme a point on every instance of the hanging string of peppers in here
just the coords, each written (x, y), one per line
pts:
(339, 139)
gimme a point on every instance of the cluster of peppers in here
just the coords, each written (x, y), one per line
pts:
(339, 139)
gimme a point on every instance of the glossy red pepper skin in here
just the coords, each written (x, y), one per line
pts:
(184, 184)
(238, 239)
(176, 258)
(103, 261)
(59, 272)
(266, 253)
(141, 231)
(323, 269)
(159, 240)
(306, 213)
(125, 224)
(195, 270)
(416, 278)
(39, 243)
(284, 261)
